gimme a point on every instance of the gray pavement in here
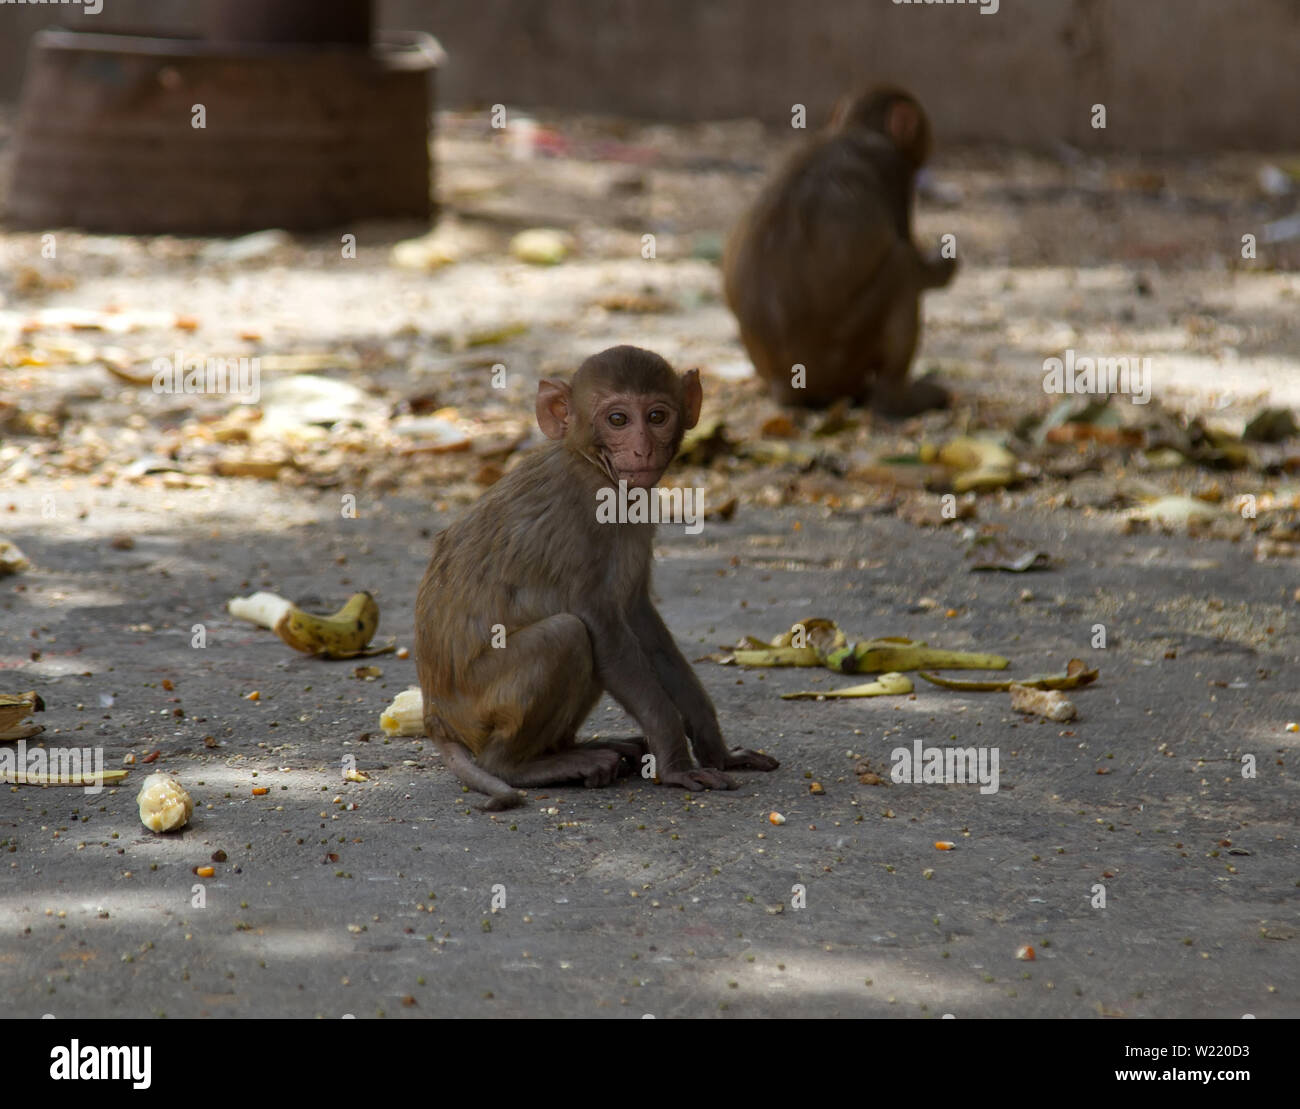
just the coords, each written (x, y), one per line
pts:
(639, 899)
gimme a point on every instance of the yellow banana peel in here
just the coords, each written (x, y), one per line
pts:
(345, 634)
(887, 685)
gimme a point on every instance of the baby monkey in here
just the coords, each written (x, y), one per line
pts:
(532, 607)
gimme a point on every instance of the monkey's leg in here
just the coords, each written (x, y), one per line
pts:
(698, 714)
(893, 394)
(537, 691)
(631, 752)
(899, 399)
(593, 766)
(771, 368)
(625, 669)
(631, 749)
(518, 706)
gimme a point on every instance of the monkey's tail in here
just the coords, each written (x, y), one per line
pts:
(460, 762)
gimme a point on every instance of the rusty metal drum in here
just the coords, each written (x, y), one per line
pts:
(298, 136)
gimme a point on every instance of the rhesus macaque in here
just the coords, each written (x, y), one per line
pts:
(822, 271)
(531, 607)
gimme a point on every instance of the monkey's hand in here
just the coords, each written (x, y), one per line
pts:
(718, 757)
(697, 779)
(738, 758)
(937, 270)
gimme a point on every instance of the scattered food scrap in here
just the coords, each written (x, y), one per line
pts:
(1053, 704)
(12, 560)
(405, 716)
(164, 804)
(542, 246)
(16, 707)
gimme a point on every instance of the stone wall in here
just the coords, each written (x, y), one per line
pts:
(1174, 74)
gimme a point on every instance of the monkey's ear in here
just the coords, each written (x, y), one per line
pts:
(554, 404)
(840, 113)
(692, 398)
(903, 124)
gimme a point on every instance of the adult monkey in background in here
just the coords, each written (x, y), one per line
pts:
(822, 271)
(531, 607)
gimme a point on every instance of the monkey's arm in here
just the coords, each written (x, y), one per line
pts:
(629, 674)
(936, 270)
(679, 680)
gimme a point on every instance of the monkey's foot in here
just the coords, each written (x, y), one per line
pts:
(898, 400)
(697, 779)
(591, 766)
(741, 759)
(602, 766)
(500, 802)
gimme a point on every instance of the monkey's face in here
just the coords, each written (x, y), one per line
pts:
(637, 435)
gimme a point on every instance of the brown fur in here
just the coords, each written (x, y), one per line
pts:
(573, 595)
(822, 271)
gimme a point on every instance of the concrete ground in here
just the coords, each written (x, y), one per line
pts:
(393, 897)
(639, 899)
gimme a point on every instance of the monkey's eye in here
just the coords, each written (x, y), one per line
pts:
(658, 416)
(618, 419)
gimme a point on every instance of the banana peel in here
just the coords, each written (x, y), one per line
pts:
(777, 656)
(262, 609)
(875, 656)
(1076, 675)
(819, 642)
(887, 685)
(90, 778)
(805, 644)
(344, 634)
(13, 708)
(976, 464)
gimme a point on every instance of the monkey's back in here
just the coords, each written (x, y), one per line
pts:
(528, 549)
(815, 267)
